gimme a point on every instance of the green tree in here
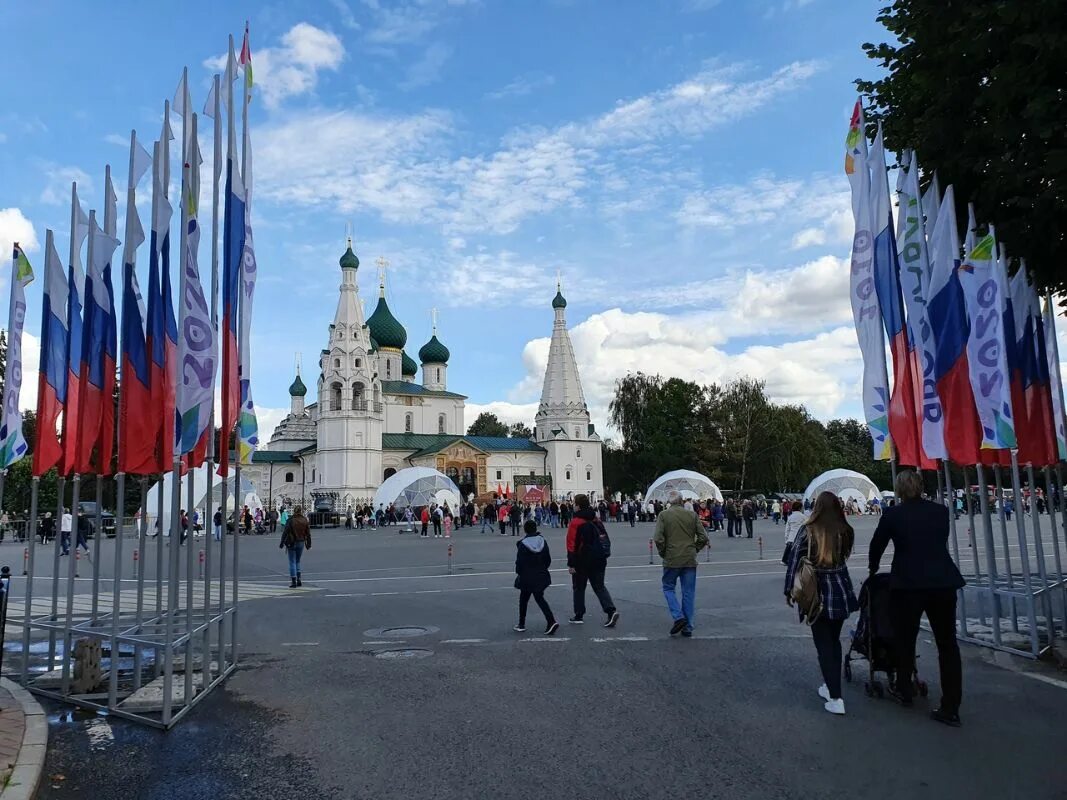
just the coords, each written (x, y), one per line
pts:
(977, 89)
(487, 424)
(520, 430)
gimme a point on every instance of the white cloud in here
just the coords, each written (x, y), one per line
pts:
(522, 86)
(508, 413)
(292, 68)
(397, 23)
(765, 199)
(117, 139)
(488, 276)
(268, 419)
(809, 237)
(348, 19)
(427, 69)
(57, 184)
(353, 160)
(14, 227)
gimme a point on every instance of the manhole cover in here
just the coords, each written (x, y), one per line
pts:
(400, 631)
(410, 652)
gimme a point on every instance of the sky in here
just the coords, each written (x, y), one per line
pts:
(679, 165)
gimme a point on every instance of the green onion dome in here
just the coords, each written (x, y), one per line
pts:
(297, 389)
(349, 260)
(433, 352)
(408, 367)
(559, 301)
(385, 329)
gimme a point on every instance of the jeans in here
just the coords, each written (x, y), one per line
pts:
(555, 520)
(595, 577)
(730, 525)
(486, 523)
(907, 607)
(688, 577)
(294, 559)
(539, 598)
(515, 526)
(64, 542)
(827, 636)
(218, 533)
(748, 528)
(633, 520)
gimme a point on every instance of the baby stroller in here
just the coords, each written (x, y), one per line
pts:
(873, 639)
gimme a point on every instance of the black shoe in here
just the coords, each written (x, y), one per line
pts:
(298, 581)
(678, 626)
(576, 621)
(688, 634)
(904, 699)
(613, 620)
(292, 583)
(952, 720)
(551, 629)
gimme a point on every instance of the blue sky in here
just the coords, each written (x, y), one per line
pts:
(680, 163)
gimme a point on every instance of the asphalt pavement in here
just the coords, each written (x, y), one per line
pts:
(397, 679)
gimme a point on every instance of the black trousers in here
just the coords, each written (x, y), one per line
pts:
(539, 598)
(730, 523)
(827, 636)
(436, 526)
(748, 528)
(907, 607)
(595, 578)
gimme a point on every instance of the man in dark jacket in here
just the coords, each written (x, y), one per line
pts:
(923, 578)
(586, 562)
(531, 568)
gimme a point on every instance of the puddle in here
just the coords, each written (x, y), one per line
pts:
(406, 653)
(400, 631)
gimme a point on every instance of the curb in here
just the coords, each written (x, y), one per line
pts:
(26, 774)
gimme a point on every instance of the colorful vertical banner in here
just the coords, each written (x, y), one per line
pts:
(13, 445)
(864, 297)
(247, 424)
(52, 374)
(79, 225)
(233, 248)
(985, 295)
(1052, 358)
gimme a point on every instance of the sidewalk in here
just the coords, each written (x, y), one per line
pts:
(23, 742)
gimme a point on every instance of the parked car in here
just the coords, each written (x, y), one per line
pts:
(107, 519)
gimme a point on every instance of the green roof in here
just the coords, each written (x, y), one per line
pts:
(297, 388)
(429, 443)
(408, 365)
(433, 352)
(403, 387)
(559, 301)
(273, 456)
(349, 260)
(386, 329)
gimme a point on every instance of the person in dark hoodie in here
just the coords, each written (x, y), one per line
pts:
(587, 561)
(532, 577)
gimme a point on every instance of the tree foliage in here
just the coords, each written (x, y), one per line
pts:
(487, 424)
(520, 430)
(978, 90)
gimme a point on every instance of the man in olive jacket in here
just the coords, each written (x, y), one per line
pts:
(679, 537)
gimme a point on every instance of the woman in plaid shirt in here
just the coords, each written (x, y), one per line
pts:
(826, 539)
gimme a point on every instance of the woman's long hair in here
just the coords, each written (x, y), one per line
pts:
(830, 536)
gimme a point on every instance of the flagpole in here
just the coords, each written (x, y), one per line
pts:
(141, 534)
(212, 455)
(1052, 514)
(31, 533)
(991, 559)
(1010, 570)
(1039, 554)
(1024, 553)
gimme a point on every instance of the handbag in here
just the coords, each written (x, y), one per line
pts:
(805, 591)
(787, 555)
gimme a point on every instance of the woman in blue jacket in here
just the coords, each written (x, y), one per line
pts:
(532, 576)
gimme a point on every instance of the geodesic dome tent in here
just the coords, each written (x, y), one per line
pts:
(845, 484)
(691, 485)
(417, 486)
(204, 501)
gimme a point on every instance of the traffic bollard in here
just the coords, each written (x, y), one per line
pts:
(761, 547)
(77, 560)
(649, 551)
(707, 551)
(201, 563)
(25, 559)
(449, 559)
(136, 557)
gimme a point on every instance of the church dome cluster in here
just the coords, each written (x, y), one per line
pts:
(385, 329)
(408, 367)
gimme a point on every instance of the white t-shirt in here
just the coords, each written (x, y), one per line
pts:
(65, 523)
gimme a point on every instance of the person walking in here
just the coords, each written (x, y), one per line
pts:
(748, 514)
(436, 516)
(923, 578)
(679, 537)
(587, 560)
(216, 523)
(424, 519)
(65, 526)
(515, 516)
(793, 523)
(48, 528)
(83, 527)
(826, 541)
(532, 576)
(776, 511)
(296, 538)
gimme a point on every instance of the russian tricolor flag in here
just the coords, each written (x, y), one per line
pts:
(76, 291)
(233, 236)
(52, 379)
(948, 317)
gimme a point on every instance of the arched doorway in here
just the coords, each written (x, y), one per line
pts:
(467, 482)
(388, 474)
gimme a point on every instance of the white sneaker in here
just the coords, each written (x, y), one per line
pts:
(824, 693)
(835, 706)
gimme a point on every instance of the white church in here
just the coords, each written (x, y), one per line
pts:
(373, 417)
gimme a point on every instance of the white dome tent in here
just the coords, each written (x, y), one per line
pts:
(846, 484)
(417, 486)
(203, 502)
(691, 485)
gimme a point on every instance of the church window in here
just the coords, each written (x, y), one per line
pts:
(441, 424)
(388, 369)
(577, 433)
(568, 474)
(359, 363)
(499, 474)
(579, 452)
(337, 363)
(289, 477)
(312, 474)
(357, 397)
(588, 475)
(408, 423)
(335, 397)
(532, 473)
(438, 374)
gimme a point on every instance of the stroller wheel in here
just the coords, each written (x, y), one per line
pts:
(848, 671)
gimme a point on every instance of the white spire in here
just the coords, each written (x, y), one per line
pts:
(562, 400)
(349, 309)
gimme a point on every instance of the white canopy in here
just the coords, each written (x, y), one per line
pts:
(203, 502)
(845, 484)
(417, 486)
(690, 485)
